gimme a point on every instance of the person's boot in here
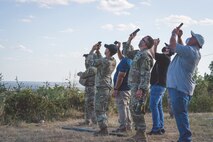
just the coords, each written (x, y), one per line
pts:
(102, 132)
(129, 128)
(140, 136)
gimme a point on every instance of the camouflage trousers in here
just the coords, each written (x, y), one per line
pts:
(102, 98)
(137, 114)
(89, 106)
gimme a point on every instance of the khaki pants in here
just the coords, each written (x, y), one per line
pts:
(123, 101)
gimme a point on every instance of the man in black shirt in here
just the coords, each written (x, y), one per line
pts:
(158, 88)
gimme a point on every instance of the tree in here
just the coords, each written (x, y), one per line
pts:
(211, 68)
(2, 85)
(209, 79)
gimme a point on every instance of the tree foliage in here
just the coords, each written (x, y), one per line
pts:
(202, 100)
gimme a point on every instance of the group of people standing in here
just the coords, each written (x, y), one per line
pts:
(134, 74)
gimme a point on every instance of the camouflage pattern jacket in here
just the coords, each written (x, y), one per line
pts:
(88, 77)
(105, 67)
(140, 70)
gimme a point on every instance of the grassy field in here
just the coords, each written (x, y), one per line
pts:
(201, 125)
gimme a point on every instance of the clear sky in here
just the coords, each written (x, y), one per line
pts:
(44, 40)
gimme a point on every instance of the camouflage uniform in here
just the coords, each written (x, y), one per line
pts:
(89, 77)
(139, 78)
(105, 67)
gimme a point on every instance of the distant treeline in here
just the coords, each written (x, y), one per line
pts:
(10, 85)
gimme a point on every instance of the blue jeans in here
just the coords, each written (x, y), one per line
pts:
(180, 102)
(156, 108)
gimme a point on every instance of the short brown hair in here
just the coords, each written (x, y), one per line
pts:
(150, 42)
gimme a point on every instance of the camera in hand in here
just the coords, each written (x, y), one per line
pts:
(135, 32)
(116, 42)
(181, 24)
(99, 43)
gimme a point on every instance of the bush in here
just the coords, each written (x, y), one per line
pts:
(201, 103)
(202, 99)
(44, 104)
(24, 105)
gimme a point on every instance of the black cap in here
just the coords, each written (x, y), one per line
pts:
(112, 48)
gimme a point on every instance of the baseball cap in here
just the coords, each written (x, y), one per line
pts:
(199, 38)
(112, 48)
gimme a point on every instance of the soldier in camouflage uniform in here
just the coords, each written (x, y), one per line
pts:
(105, 66)
(88, 79)
(139, 78)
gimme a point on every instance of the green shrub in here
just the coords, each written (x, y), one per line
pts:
(44, 104)
(201, 103)
(24, 105)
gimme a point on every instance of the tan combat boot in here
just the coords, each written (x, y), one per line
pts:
(102, 132)
(140, 136)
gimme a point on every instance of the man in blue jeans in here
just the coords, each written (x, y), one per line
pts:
(180, 81)
(158, 88)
